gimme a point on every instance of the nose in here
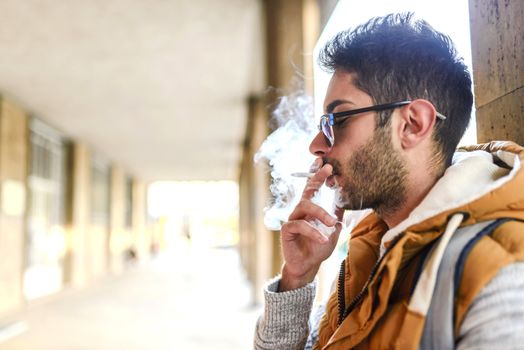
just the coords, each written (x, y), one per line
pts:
(319, 146)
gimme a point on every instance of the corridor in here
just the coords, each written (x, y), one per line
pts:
(189, 298)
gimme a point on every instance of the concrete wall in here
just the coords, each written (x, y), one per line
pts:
(13, 175)
(497, 35)
(98, 250)
(92, 249)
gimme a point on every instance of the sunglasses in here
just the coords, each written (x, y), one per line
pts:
(328, 120)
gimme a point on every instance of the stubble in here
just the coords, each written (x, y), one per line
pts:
(374, 177)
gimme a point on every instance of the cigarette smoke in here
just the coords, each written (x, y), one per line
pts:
(287, 151)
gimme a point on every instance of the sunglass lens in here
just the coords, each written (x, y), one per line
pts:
(328, 132)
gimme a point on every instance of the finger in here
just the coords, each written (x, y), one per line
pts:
(333, 238)
(340, 225)
(303, 228)
(308, 209)
(339, 213)
(317, 164)
(316, 181)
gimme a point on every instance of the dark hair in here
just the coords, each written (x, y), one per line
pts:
(396, 58)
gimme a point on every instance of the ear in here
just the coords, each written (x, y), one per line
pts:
(416, 123)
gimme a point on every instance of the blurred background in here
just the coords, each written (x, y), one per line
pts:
(131, 211)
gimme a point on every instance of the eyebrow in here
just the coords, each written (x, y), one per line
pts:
(331, 107)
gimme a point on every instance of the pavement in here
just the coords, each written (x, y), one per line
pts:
(188, 299)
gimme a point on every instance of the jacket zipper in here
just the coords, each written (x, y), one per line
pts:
(343, 311)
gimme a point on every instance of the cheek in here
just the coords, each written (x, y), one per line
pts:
(356, 134)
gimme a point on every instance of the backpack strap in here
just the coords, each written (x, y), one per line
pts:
(439, 327)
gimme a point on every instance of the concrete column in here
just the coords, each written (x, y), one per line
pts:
(497, 36)
(263, 241)
(260, 248)
(13, 188)
(78, 272)
(142, 239)
(291, 31)
(311, 14)
(326, 8)
(117, 232)
(245, 229)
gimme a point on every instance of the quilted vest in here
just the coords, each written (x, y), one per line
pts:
(381, 320)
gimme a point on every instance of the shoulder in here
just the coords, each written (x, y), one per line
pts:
(495, 318)
(493, 252)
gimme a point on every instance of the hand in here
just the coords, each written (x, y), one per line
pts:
(304, 247)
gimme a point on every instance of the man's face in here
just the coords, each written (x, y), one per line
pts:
(367, 170)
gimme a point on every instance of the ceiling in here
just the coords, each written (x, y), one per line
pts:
(158, 87)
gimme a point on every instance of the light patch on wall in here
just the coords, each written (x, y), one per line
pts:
(13, 198)
(204, 213)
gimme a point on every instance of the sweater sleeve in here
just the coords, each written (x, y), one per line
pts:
(495, 319)
(284, 324)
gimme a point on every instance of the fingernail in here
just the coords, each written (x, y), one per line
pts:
(332, 221)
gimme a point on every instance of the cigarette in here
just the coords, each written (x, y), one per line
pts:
(299, 174)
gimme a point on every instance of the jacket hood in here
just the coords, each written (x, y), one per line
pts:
(485, 181)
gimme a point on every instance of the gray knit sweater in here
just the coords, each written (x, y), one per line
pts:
(495, 319)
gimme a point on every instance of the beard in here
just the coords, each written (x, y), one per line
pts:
(374, 177)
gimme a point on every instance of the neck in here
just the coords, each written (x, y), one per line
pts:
(416, 190)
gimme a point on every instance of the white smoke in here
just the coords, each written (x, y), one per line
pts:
(287, 151)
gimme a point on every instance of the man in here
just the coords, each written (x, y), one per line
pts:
(439, 262)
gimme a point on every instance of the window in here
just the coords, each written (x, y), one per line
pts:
(46, 211)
